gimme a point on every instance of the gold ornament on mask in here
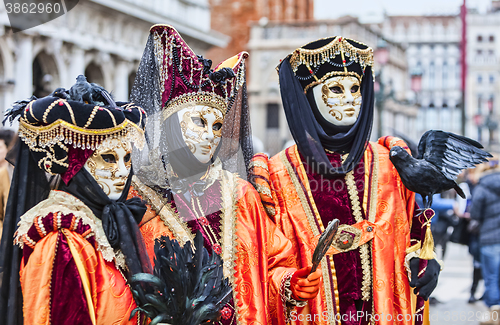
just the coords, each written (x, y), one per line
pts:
(105, 159)
(334, 89)
(194, 125)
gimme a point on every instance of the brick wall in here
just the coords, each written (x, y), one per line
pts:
(233, 17)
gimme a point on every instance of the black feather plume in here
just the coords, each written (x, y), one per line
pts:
(187, 287)
(17, 109)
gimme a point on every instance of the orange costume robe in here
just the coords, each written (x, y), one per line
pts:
(256, 256)
(387, 209)
(69, 272)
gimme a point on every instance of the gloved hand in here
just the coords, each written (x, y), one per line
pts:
(428, 282)
(305, 286)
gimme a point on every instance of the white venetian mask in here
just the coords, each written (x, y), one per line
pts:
(201, 130)
(110, 166)
(339, 100)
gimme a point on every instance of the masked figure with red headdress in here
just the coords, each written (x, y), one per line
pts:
(198, 142)
(333, 171)
(75, 246)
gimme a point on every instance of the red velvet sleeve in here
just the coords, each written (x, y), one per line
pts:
(68, 305)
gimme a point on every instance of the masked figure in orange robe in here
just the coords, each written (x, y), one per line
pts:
(80, 242)
(198, 139)
(334, 172)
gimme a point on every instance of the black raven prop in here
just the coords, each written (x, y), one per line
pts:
(441, 157)
(187, 287)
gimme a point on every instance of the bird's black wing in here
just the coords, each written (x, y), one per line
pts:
(450, 153)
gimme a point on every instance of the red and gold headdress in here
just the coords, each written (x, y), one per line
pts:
(186, 78)
(317, 61)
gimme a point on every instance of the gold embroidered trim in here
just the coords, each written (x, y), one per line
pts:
(335, 289)
(229, 206)
(367, 180)
(331, 74)
(258, 163)
(168, 215)
(363, 249)
(229, 191)
(374, 183)
(65, 203)
(198, 98)
(270, 210)
(30, 105)
(393, 142)
(339, 45)
(312, 224)
(263, 190)
(62, 132)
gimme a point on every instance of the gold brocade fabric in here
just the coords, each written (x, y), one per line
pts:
(388, 206)
(256, 255)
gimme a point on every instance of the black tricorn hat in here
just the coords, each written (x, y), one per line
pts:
(317, 61)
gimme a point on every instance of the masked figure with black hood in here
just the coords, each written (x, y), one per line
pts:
(67, 254)
(333, 171)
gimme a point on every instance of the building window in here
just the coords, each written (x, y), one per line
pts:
(479, 38)
(491, 52)
(479, 52)
(445, 74)
(492, 38)
(479, 79)
(445, 104)
(492, 79)
(431, 74)
(273, 116)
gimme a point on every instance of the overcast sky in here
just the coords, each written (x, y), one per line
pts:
(372, 10)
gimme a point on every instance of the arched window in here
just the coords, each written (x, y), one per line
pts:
(45, 75)
(94, 74)
(432, 75)
(131, 79)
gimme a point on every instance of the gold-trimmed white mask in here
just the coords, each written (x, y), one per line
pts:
(110, 166)
(339, 99)
(201, 130)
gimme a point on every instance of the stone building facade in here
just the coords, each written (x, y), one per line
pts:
(483, 77)
(103, 39)
(433, 52)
